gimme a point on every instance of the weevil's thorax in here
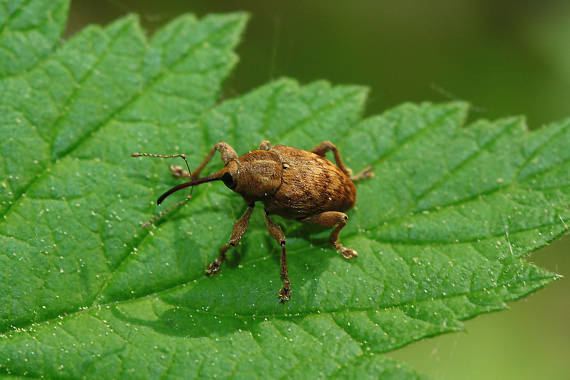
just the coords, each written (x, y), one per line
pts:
(259, 175)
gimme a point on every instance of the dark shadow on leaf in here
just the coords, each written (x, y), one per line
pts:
(316, 235)
(244, 293)
(239, 297)
(191, 323)
(185, 322)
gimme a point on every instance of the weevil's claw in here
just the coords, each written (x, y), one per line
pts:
(214, 267)
(284, 294)
(348, 253)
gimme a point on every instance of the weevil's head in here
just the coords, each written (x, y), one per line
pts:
(256, 176)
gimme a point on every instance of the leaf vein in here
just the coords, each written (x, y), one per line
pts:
(540, 148)
(461, 165)
(318, 112)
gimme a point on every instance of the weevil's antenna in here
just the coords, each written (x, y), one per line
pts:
(181, 155)
(154, 219)
(160, 215)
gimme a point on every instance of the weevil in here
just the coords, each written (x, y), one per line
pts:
(290, 182)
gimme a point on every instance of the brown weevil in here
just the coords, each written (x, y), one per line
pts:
(290, 182)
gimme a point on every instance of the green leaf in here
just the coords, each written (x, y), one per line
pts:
(442, 230)
(29, 32)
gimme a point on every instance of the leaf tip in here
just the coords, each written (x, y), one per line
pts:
(238, 18)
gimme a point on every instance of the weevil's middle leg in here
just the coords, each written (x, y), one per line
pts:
(239, 229)
(277, 234)
(337, 220)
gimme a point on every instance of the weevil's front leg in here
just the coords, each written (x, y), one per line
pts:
(322, 149)
(228, 154)
(239, 229)
(277, 234)
(337, 220)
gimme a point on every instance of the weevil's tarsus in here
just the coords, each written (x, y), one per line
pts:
(214, 267)
(178, 172)
(285, 292)
(364, 173)
(239, 229)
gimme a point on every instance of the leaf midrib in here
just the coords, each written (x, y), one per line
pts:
(12, 16)
(539, 149)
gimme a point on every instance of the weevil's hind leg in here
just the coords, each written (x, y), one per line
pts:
(322, 149)
(228, 154)
(337, 220)
(265, 145)
(239, 229)
(277, 234)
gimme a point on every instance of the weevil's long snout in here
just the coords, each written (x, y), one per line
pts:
(209, 178)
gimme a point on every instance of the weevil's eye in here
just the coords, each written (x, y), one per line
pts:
(228, 180)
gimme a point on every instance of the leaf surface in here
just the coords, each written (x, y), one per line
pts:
(29, 32)
(442, 230)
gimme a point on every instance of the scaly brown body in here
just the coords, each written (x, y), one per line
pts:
(330, 188)
(293, 183)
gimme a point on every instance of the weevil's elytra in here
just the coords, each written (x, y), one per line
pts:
(290, 182)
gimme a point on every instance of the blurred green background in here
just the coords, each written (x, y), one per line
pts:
(504, 57)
